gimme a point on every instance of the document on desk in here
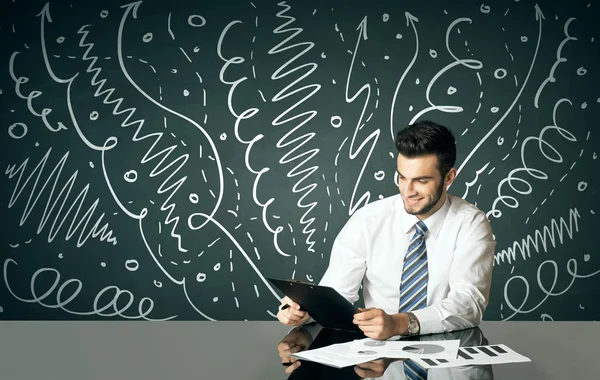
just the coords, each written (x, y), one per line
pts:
(477, 355)
(363, 350)
(338, 355)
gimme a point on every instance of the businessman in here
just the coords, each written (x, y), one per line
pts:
(423, 256)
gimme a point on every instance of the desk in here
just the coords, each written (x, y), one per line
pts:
(246, 350)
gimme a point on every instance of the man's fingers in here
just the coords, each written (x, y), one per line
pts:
(292, 367)
(294, 364)
(298, 313)
(368, 314)
(376, 321)
(288, 318)
(282, 350)
(369, 328)
(360, 372)
(302, 317)
(365, 373)
(363, 309)
(370, 322)
(369, 365)
(286, 345)
(293, 309)
(288, 360)
(293, 317)
(369, 369)
(287, 301)
(293, 350)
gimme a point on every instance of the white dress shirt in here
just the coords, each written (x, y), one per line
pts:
(370, 249)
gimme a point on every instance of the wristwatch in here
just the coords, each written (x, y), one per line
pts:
(413, 324)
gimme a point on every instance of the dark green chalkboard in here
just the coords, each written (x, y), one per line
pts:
(160, 159)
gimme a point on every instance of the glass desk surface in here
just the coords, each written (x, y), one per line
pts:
(106, 350)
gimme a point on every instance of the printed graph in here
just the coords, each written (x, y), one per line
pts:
(478, 355)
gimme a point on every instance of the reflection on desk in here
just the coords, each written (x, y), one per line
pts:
(314, 336)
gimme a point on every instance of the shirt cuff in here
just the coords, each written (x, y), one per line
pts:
(430, 320)
(311, 326)
(313, 329)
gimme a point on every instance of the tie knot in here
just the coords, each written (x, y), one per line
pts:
(420, 228)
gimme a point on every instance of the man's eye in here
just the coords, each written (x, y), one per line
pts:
(423, 181)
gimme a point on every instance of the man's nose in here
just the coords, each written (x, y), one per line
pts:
(409, 189)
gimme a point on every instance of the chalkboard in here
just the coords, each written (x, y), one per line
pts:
(161, 159)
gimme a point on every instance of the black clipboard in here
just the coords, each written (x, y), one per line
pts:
(323, 303)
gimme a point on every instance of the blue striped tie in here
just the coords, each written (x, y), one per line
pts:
(413, 288)
(413, 371)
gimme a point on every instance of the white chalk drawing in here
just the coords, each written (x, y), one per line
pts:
(542, 145)
(546, 284)
(34, 186)
(542, 240)
(197, 150)
(559, 59)
(72, 287)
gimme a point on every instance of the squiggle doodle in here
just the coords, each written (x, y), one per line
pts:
(82, 225)
(62, 300)
(410, 19)
(238, 246)
(132, 8)
(539, 16)
(246, 114)
(373, 137)
(559, 60)
(535, 173)
(571, 269)
(473, 182)
(112, 141)
(556, 229)
(33, 94)
(298, 142)
(472, 64)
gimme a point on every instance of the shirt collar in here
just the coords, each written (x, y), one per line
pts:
(434, 222)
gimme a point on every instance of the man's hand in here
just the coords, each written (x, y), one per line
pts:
(377, 324)
(297, 340)
(291, 316)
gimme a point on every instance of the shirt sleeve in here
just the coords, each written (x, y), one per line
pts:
(347, 262)
(312, 327)
(469, 281)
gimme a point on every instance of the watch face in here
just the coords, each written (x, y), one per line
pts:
(412, 326)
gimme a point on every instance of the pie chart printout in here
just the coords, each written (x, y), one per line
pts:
(423, 349)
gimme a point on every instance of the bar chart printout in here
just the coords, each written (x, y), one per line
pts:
(477, 355)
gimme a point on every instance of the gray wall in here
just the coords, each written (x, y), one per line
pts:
(161, 159)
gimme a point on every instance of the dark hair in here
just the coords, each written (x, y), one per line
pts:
(427, 137)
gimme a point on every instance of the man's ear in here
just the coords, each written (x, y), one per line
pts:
(450, 176)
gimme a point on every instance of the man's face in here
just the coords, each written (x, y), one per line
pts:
(421, 184)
